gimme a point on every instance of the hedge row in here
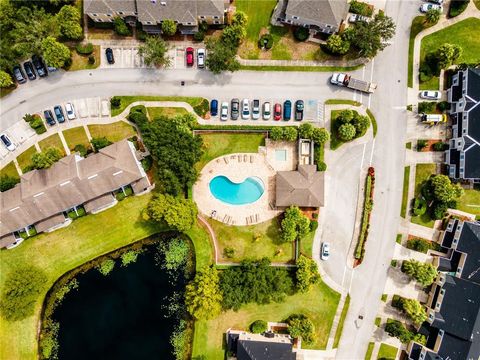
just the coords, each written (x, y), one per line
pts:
(367, 210)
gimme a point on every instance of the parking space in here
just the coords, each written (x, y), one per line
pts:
(18, 134)
(125, 57)
(81, 107)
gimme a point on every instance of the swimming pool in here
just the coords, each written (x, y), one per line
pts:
(246, 192)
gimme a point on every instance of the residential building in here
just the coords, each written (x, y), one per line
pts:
(266, 346)
(187, 14)
(463, 156)
(319, 16)
(453, 306)
(303, 187)
(43, 197)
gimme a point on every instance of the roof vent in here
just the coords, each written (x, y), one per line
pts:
(153, 1)
(163, 3)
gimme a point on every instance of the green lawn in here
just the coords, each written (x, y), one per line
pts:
(80, 62)
(418, 24)
(343, 315)
(373, 121)
(406, 182)
(218, 144)
(398, 239)
(319, 304)
(52, 141)
(60, 251)
(243, 240)
(306, 244)
(335, 141)
(368, 355)
(76, 136)
(470, 202)
(299, 68)
(342, 102)
(477, 3)
(9, 170)
(422, 173)
(460, 34)
(204, 254)
(154, 112)
(127, 100)
(24, 159)
(114, 132)
(258, 13)
(387, 352)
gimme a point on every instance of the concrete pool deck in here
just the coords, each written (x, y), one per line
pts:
(237, 167)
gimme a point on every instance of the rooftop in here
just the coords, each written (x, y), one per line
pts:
(303, 187)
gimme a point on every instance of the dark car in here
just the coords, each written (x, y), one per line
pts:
(39, 66)
(28, 66)
(299, 110)
(234, 112)
(59, 113)
(189, 55)
(49, 117)
(287, 110)
(214, 107)
(277, 112)
(109, 55)
(19, 75)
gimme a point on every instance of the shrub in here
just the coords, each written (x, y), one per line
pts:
(419, 206)
(199, 36)
(120, 27)
(115, 102)
(424, 76)
(147, 163)
(202, 108)
(265, 41)
(358, 7)
(421, 144)
(395, 328)
(397, 301)
(440, 146)
(321, 166)
(169, 27)
(439, 210)
(306, 274)
(418, 245)
(443, 106)
(129, 257)
(258, 326)
(301, 33)
(84, 49)
(99, 143)
(43, 160)
(81, 149)
(301, 326)
(141, 35)
(106, 266)
(337, 45)
(346, 132)
(426, 107)
(91, 59)
(8, 182)
(457, 7)
(229, 252)
(313, 225)
(424, 273)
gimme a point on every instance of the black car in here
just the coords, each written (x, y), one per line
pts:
(19, 75)
(299, 110)
(49, 117)
(39, 66)
(235, 105)
(59, 113)
(109, 54)
(28, 66)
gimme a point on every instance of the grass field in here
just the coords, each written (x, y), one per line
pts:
(319, 304)
(343, 315)
(80, 62)
(470, 202)
(368, 355)
(459, 34)
(335, 141)
(218, 144)
(259, 13)
(24, 159)
(127, 100)
(387, 352)
(418, 24)
(52, 141)
(9, 170)
(76, 136)
(406, 182)
(154, 112)
(342, 102)
(299, 68)
(422, 173)
(114, 132)
(245, 244)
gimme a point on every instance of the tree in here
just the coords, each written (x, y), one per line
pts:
(258, 326)
(414, 310)
(423, 273)
(361, 123)
(221, 57)
(155, 52)
(320, 135)
(169, 27)
(371, 37)
(396, 329)
(433, 16)
(294, 225)
(301, 326)
(240, 18)
(203, 296)
(447, 54)
(233, 35)
(305, 131)
(443, 189)
(336, 45)
(120, 27)
(306, 274)
(21, 292)
(8, 182)
(43, 160)
(290, 133)
(69, 21)
(345, 116)
(176, 213)
(5, 80)
(346, 132)
(54, 53)
(99, 143)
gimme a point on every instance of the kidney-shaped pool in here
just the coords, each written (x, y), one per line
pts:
(246, 192)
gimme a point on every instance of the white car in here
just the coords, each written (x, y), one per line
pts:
(245, 109)
(224, 111)
(431, 95)
(256, 109)
(426, 7)
(7, 142)
(267, 111)
(355, 18)
(70, 111)
(325, 251)
(201, 58)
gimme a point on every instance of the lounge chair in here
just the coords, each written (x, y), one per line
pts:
(245, 158)
(225, 159)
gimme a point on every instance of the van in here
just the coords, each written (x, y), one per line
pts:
(433, 119)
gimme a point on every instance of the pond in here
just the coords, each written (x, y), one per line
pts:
(124, 315)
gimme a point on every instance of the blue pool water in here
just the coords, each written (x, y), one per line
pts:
(247, 192)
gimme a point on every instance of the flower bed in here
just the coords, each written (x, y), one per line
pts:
(367, 210)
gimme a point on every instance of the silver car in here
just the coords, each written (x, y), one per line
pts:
(325, 254)
(224, 111)
(267, 111)
(70, 111)
(256, 109)
(245, 109)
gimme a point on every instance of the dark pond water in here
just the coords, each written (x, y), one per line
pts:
(120, 316)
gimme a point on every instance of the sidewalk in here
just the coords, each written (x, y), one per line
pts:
(339, 63)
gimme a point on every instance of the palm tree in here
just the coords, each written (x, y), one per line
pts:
(432, 16)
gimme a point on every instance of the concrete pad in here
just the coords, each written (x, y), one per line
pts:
(20, 132)
(105, 107)
(3, 152)
(310, 112)
(81, 106)
(127, 58)
(93, 106)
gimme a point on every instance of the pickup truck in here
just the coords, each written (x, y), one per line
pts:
(342, 79)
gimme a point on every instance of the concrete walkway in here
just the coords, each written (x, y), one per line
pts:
(336, 322)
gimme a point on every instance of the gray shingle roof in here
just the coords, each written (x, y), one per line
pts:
(109, 6)
(179, 10)
(318, 11)
(304, 187)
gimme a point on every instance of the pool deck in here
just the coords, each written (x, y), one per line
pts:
(237, 167)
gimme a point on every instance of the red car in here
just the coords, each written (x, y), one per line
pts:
(277, 112)
(189, 56)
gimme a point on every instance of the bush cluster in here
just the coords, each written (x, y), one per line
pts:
(35, 122)
(202, 108)
(265, 41)
(258, 326)
(367, 210)
(424, 273)
(440, 194)
(283, 133)
(427, 107)
(84, 49)
(361, 8)
(301, 33)
(395, 328)
(350, 125)
(457, 7)
(421, 245)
